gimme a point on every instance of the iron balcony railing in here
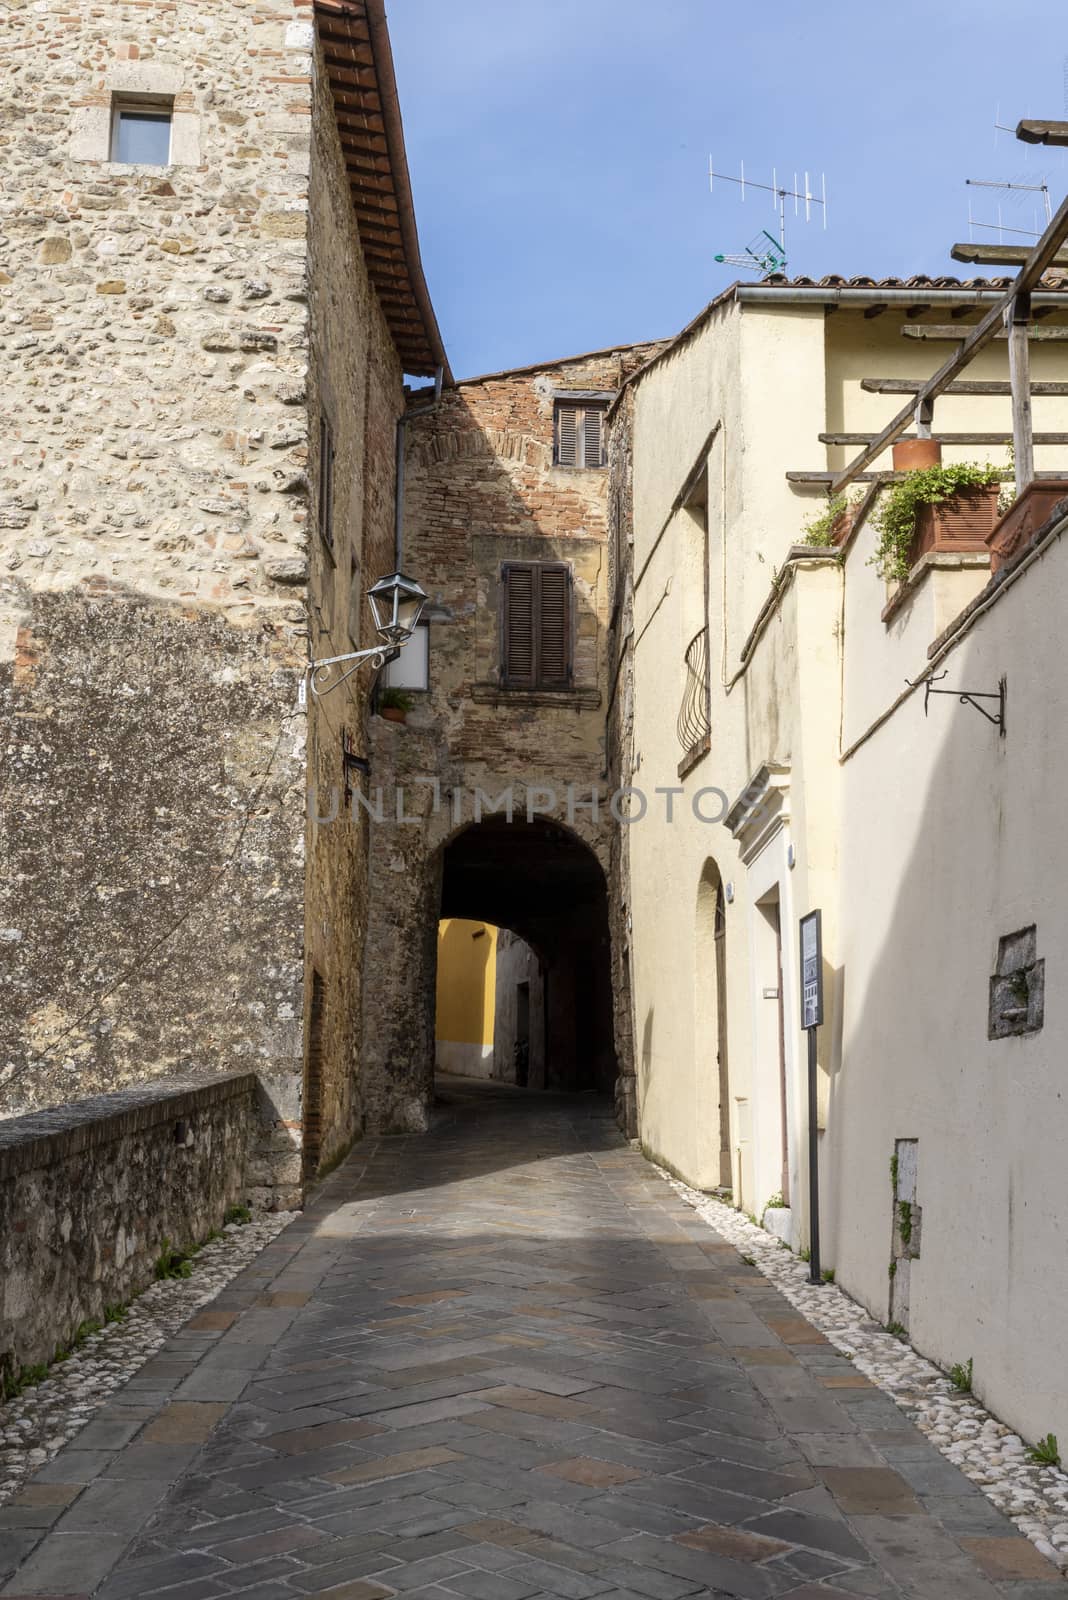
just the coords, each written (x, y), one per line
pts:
(694, 724)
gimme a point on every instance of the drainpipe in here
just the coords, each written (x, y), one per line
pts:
(402, 423)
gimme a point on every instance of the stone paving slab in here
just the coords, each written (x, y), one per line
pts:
(505, 1362)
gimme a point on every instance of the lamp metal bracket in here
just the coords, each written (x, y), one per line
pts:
(319, 674)
(967, 697)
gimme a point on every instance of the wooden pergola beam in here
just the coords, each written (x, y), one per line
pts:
(1000, 255)
(945, 330)
(965, 386)
(1039, 131)
(1029, 276)
(945, 438)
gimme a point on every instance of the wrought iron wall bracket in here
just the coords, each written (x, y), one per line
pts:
(320, 675)
(967, 697)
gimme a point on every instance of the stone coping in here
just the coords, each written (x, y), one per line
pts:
(43, 1138)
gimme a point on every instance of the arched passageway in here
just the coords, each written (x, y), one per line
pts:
(538, 881)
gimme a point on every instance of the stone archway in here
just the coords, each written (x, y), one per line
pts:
(539, 880)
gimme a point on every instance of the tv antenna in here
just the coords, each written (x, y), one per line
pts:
(1014, 190)
(766, 254)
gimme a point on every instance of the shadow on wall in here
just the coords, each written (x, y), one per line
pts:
(957, 836)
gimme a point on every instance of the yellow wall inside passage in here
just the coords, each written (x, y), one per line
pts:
(467, 981)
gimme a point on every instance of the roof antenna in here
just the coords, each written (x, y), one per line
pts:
(765, 254)
(1014, 192)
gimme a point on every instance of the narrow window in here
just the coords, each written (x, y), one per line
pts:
(579, 433)
(141, 133)
(326, 482)
(536, 625)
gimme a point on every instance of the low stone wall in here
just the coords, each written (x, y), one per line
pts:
(89, 1191)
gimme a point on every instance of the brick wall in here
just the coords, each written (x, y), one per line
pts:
(481, 489)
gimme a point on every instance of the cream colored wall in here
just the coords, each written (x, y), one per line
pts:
(919, 847)
(951, 838)
(678, 1088)
(754, 517)
(769, 381)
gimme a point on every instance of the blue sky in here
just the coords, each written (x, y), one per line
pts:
(559, 151)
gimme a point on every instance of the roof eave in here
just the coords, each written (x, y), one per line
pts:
(371, 15)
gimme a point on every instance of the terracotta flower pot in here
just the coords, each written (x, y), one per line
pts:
(1023, 518)
(393, 714)
(842, 526)
(911, 455)
(960, 525)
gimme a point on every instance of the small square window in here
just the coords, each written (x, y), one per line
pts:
(141, 134)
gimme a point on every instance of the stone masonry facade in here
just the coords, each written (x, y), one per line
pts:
(168, 338)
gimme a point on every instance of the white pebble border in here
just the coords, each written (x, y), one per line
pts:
(988, 1452)
(36, 1424)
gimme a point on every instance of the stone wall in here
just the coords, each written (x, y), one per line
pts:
(88, 1194)
(153, 321)
(481, 488)
(170, 339)
(153, 520)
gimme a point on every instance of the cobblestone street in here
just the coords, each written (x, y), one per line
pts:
(505, 1361)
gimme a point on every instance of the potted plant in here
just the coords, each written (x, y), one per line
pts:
(831, 527)
(910, 455)
(941, 508)
(394, 705)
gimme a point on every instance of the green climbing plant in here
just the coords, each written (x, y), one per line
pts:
(904, 1221)
(895, 520)
(819, 530)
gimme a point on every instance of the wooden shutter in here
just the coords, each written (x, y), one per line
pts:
(567, 436)
(554, 615)
(592, 426)
(579, 435)
(520, 582)
(536, 620)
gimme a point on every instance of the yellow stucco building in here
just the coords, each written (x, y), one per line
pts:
(466, 997)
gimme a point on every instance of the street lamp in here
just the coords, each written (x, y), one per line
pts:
(396, 604)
